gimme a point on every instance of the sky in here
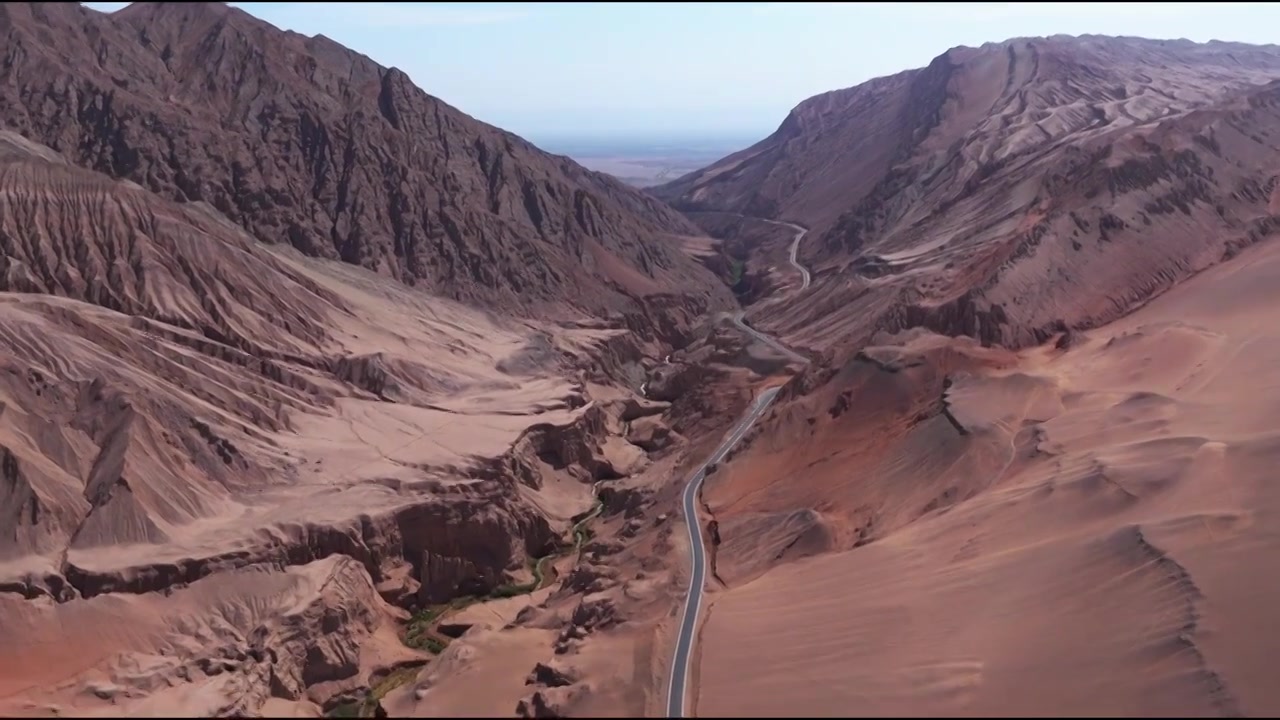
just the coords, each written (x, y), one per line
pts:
(550, 71)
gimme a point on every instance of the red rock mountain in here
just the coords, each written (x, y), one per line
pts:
(1011, 191)
(939, 526)
(303, 141)
(229, 471)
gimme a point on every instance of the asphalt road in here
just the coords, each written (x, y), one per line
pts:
(805, 279)
(677, 685)
(740, 321)
(795, 248)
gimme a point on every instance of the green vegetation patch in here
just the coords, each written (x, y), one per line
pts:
(419, 632)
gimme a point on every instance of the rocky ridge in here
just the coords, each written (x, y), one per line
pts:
(1013, 191)
(302, 141)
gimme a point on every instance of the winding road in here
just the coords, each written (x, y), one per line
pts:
(795, 248)
(682, 660)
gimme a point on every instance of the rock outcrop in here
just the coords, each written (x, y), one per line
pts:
(549, 702)
(444, 578)
(594, 612)
(550, 675)
(649, 433)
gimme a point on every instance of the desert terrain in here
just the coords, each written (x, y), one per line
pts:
(1090, 531)
(319, 397)
(280, 435)
(644, 162)
(1005, 192)
(231, 469)
(1027, 472)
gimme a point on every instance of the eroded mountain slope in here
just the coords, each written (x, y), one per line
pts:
(1065, 511)
(1015, 190)
(228, 471)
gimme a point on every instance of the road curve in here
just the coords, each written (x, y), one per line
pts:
(683, 658)
(677, 685)
(795, 249)
(795, 246)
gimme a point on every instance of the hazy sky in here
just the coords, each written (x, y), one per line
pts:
(549, 70)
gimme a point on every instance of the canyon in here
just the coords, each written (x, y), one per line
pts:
(319, 397)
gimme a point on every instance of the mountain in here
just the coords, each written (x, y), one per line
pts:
(1030, 467)
(302, 141)
(1014, 190)
(245, 467)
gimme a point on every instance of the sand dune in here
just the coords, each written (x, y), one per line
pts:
(1123, 563)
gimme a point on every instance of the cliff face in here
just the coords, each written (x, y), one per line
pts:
(302, 141)
(1012, 191)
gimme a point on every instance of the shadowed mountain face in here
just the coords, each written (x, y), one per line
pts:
(1014, 190)
(302, 141)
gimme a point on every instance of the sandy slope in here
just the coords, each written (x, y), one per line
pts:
(1124, 562)
(214, 455)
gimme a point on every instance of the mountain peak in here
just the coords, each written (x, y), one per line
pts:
(304, 141)
(160, 11)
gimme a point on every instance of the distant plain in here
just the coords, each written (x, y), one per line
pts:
(644, 162)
